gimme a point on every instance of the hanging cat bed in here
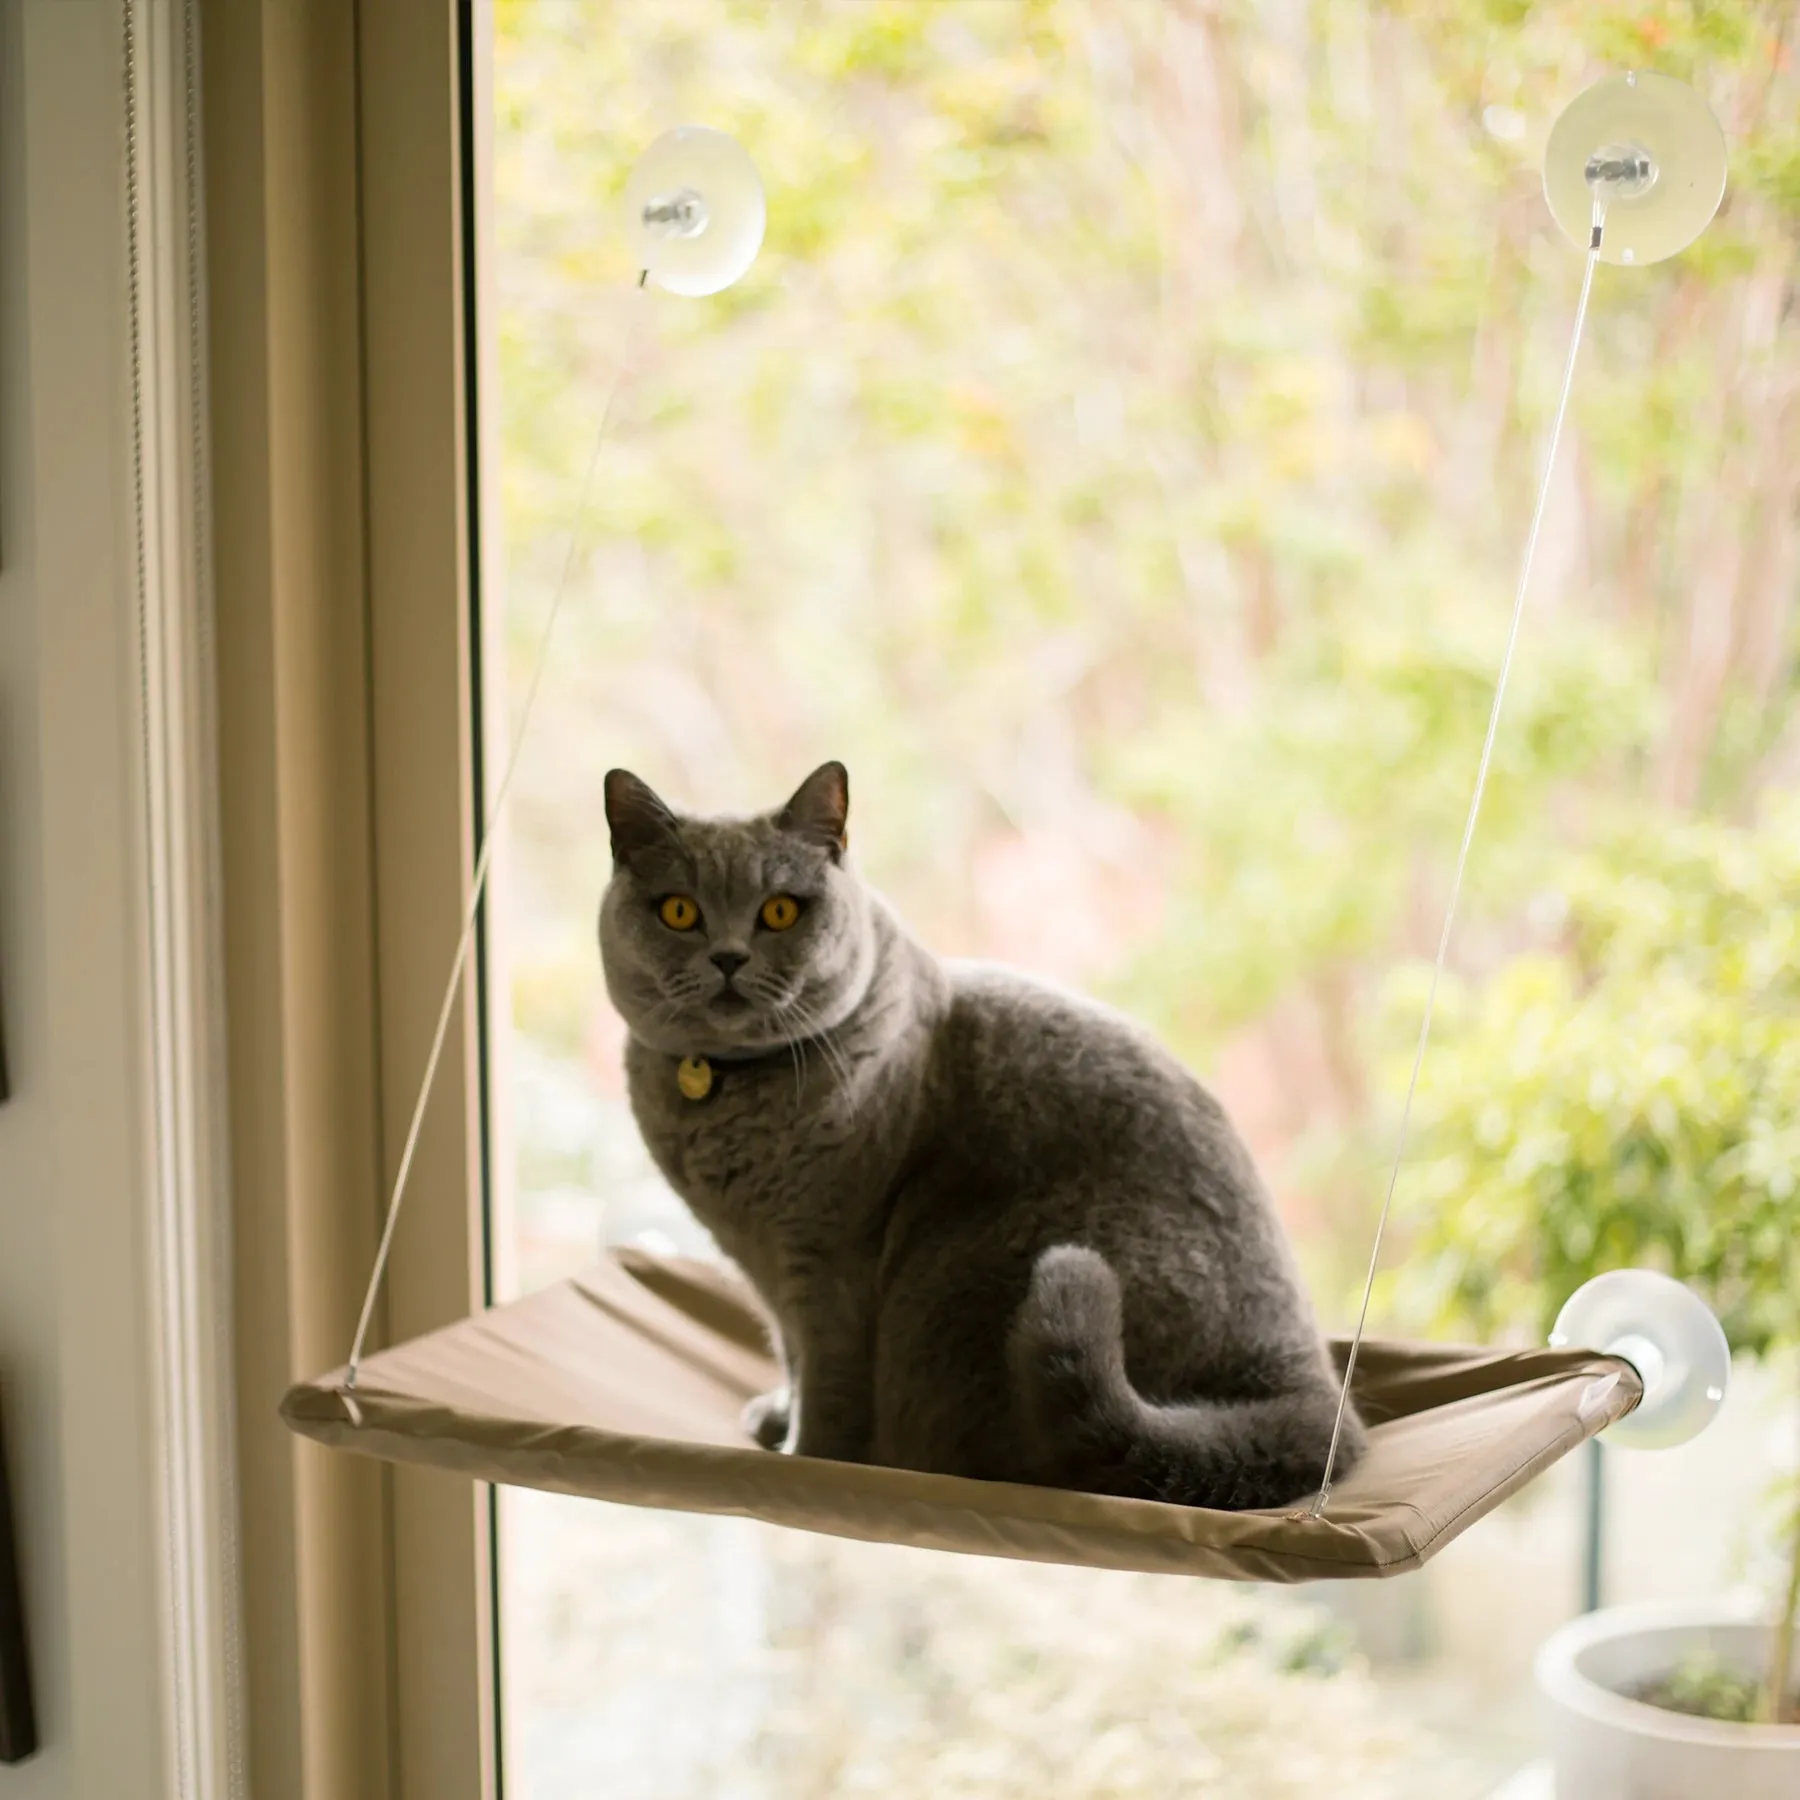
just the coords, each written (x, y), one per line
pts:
(628, 1383)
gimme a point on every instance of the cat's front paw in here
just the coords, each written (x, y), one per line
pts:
(769, 1417)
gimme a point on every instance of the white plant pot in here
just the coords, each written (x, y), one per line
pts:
(1608, 1747)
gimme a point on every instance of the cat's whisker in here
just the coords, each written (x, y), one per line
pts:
(765, 992)
(766, 995)
(824, 1037)
(834, 1059)
(797, 1050)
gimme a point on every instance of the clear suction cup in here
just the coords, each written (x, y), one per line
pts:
(1648, 146)
(694, 209)
(1669, 1335)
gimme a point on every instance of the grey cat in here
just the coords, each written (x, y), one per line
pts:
(999, 1231)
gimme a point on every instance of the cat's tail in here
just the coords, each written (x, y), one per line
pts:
(1088, 1427)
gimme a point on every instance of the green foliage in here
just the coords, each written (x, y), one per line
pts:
(1706, 1687)
(1120, 453)
(1300, 829)
(1628, 1094)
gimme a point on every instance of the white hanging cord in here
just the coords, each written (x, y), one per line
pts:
(1462, 857)
(484, 855)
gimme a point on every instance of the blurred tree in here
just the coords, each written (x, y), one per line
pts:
(1626, 1094)
(1629, 1097)
(1119, 454)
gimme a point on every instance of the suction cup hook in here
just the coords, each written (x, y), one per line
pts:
(1669, 1335)
(1648, 148)
(694, 209)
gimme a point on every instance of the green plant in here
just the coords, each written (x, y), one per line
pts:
(1627, 1093)
(1775, 1691)
(1707, 1687)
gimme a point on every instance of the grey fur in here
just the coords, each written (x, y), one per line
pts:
(999, 1231)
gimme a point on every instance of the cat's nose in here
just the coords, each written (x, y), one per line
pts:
(728, 962)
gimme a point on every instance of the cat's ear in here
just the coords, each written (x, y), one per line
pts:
(820, 809)
(636, 814)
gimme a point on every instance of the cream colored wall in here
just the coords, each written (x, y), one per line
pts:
(73, 1308)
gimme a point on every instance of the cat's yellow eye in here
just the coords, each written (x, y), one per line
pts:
(679, 913)
(779, 911)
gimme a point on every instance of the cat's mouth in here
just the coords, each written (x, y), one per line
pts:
(729, 1000)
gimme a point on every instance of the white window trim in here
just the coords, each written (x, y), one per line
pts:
(186, 1154)
(116, 1308)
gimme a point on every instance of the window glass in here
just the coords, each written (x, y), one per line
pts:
(1119, 456)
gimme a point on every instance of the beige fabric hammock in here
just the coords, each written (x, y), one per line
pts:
(626, 1383)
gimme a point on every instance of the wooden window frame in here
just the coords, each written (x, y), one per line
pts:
(338, 209)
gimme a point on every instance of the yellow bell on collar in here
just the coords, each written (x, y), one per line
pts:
(694, 1076)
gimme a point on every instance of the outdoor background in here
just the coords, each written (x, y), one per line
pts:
(1120, 455)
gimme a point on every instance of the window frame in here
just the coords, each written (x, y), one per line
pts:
(339, 301)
